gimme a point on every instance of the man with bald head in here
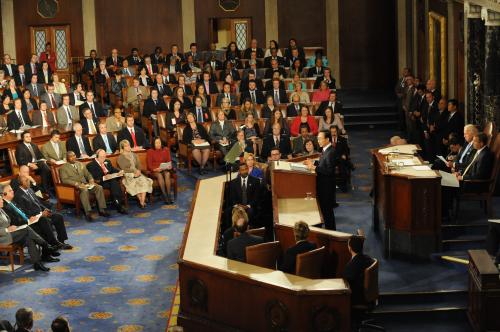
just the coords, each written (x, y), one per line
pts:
(79, 143)
(114, 60)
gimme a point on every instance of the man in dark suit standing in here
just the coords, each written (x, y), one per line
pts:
(236, 248)
(104, 140)
(28, 154)
(354, 270)
(32, 205)
(325, 178)
(18, 117)
(429, 118)
(32, 67)
(454, 123)
(244, 190)
(133, 134)
(101, 167)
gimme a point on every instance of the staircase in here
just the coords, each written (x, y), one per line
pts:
(369, 109)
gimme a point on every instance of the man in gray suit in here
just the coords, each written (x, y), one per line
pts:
(43, 117)
(10, 234)
(36, 89)
(223, 132)
(54, 150)
(52, 99)
(67, 114)
(76, 174)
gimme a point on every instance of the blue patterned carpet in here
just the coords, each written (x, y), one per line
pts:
(120, 276)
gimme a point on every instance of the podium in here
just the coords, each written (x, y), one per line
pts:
(407, 206)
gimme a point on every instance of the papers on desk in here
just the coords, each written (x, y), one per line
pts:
(422, 168)
(111, 176)
(37, 217)
(449, 180)
(166, 165)
(18, 228)
(404, 149)
(494, 220)
(19, 131)
(442, 159)
(410, 171)
(281, 165)
(299, 167)
(60, 162)
(201, 144)
(405, 162)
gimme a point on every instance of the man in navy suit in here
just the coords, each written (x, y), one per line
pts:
(244, 191)
(325, 178)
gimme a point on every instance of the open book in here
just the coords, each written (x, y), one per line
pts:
(166, 165)
(111, 176)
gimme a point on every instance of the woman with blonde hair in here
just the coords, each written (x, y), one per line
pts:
(134, 181)
(303, 96)
(237, 213)
(59, 87)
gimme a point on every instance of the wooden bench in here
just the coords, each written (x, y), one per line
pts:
(11, 250)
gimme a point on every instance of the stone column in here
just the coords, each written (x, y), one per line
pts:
(9, 40)
(475, 64)
(491, 82)
(271, 12)
(188, 24)
(90, 35)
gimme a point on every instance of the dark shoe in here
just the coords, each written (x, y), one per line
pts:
(50, 259)
(104, 214)
(53, 250)
(66, 246)
(40, 267)
(122, 211)
(89, 217)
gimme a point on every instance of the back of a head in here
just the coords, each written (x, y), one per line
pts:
(241, 225)
(356, 244)
(24, 318)
(60, 324)
(300, 231)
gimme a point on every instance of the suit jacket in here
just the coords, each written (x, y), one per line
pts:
(284, 146)
(85, 126)
(205, 114)
(62, 116)
(89, 64)
(31, 205)
(259, 96)
(99, 111)
(282, 93)
(481, 165)
(325, 173)
(139, 137)
(269, 85)
(13, 121)
(354, 272)
(270, 72)
(29, 71)
(72, 99)
(217, 132)
(41, 76)
(465, 155)
(40, 88)
(290, 258)
(341, 148)
(196, 56)
(186, 67)
(291, 111)
(248, 52)
(57, 97)
(5, 237)
(38, 121)
(49, 152)
(312, 72)
(253, 186)
(337, 108)
(32, 101)
(132, 61)
(212, 87)
(154, 68)
(236, 248)
(72, 145)
(15, 218)
(132, 95)
(215, 64)
(13, 68)
(319, 79)
(130, 70)
(151, 108)
(165, 91)
(98, 142)
(157, 59)
(245, 81)
(70, 175)
(109, 61)
(7, 92)
(234, 73)
(19, 81)
(220, 96)
(23, 154)
(267, 61)
(455, 125)
(96, 171)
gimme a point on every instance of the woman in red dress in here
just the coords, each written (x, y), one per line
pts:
(49, 56)
(155, 157)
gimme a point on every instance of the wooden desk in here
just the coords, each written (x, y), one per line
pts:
(408, 208)
(218, 294)
(38, 135)
(484, 292)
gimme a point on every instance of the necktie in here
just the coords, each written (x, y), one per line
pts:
(22, 79)
(33, 157)
(34, 200)
(114, 62)
(244, 192)
(276, 97)
(207, 88)
(199, 115)
(465, 152)
(160, 87)
(92, 109)
(77, 96)
(276, 141)
(81, 146)
(20, 116)
(252, 94)
(70, 118)
(55, 146)
(76, 169)
(334, 142)
(91, 126)
(19, 212)
(45, 117)
(149, 69)
(132, 133)
(35, 90)
(104, 169)
(33, 68)
(106, 142)
(52, 101)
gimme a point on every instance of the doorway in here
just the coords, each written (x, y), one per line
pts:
(59, 38)
(225, 30)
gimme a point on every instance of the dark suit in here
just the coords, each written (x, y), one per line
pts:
(319, 79)
(284, 146)
(98, 110)
(13, 68)
(164, 91)
(151, 108)
(215, 64)
(38, 118)
(139, 137)
(337, 108)
(267, 61)
(205, 115)
(23, 157)
(464, 157)
(72, 99)
(20, 81)
(32, 205)
(282, 94)
(325, 186)
(212, 87)
(109, 61)
(112, 185)
(186, 67)
(248, 52)
(236, 248)
(85, 125)
(234, 73)
(32, 101)
(29, 71)
(252, 185)
(245, 81)
(454, 124)
(89, 65)
(98, 143)
(481, 166)
(72, 145)
(259, 96)
(290, 258)
(354, 272)
(314, 72)
(292, 111)
(13, 121)
(270, 72)
(154, 68)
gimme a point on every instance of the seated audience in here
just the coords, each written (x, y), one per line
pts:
(99, 168)
(105, 140)
(163, 88)
(253, 170)
(24, 171)
(18, 117)
(481, 165)
(237, 212)
(133, 134)
(299, 143)
(293, 109)
(118, 83)
(268, 109)
(227, 110)
(116, 121)
(327, 78)
(222, 132)
(78, 143)
(135, 94)
(273, 44)
(230, 80)
(28, 103)
(157, 156)
(303, 95)
(144, 79)
(52, 99)
(202, 113)
(277, 118)
(300, 232)
(78, 96)
(226, 93)
(276, 139)
(43, 117)
(152, 106)
(465, 155)
(89, 124)
(180, 95)
(317, 70)
(134, 181)
(322, 94)
(36, 89)
(236, 248)
(59, 87)
(253, 93)
(317, 54)
(332, 102)
(245, 109)
(176, 116)
(54, 150)
(354, 271)
(302, 118)
(195, 135)
(455, 146)
(67, 114)
(12, 90)
(206, 101)
(277, 92)
(185, 87)
(253, 48)
(96, 108)
(329, 119)
(76, 174)
(27, 153)
(245, 146)
(251, 128)
(8, 106)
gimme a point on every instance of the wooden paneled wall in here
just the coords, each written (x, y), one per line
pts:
(302, 20)
(124, 24)
(25, 13)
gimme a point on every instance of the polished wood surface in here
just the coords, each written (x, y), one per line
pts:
(484, 292)
(303, 13)
(212, 286)
(408, 209)
(38, 136)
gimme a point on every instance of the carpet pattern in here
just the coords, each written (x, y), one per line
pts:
(120, 276)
